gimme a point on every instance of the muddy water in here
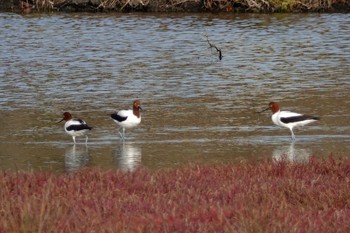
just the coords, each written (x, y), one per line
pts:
(197, 108)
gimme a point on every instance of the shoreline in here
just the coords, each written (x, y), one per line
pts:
(189, 6)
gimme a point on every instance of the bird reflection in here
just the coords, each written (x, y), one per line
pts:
(128, 156)
(76, 157)
(291, 154)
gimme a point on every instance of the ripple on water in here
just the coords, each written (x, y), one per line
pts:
(197, 108)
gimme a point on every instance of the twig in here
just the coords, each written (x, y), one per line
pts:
(135, 3)
(127, 2)
(214, 46)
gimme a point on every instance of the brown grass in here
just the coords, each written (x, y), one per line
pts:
(248, 197)
(196, 5)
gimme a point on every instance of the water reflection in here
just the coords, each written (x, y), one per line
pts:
(128, 156)
(76, 157)
(197, 107)
(291, 154)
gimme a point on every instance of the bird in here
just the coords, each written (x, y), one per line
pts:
(75, 127)
(128, 118)
(289, 119)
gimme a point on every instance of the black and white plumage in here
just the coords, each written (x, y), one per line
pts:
(128, 118)
(75, 127)
(289, 119)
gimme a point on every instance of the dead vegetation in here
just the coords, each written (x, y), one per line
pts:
(211, 45)
(195, 5)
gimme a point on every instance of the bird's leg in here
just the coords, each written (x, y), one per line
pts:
(293, 137)
(86, 139)
(73, 139)
(123, 133)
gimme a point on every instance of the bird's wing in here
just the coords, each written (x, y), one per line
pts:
(290, 117)
(78, 127)
(120, 116)
(78, 124)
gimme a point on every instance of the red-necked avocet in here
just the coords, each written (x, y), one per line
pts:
(289, 119)
(75, 127)
(128, 118)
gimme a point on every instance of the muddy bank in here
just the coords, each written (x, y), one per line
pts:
(266, 6)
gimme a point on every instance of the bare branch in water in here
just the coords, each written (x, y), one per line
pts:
(214, 46)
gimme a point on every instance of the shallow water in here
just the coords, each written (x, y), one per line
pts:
(197, 108)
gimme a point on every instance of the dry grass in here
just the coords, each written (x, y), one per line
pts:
(248, 197)
(197, 5)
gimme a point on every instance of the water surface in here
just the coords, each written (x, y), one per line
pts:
(197, 108)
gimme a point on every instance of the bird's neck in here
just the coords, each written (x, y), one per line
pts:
(136, 112)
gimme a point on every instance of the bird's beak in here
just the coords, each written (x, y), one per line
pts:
(60, 121)
(140, 108)
(263, 110)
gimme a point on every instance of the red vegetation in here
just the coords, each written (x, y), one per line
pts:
(248, 197)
